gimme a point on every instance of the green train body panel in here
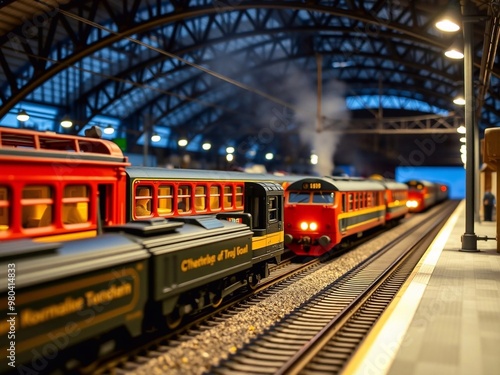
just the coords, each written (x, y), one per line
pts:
(54, 313)
(199, 257)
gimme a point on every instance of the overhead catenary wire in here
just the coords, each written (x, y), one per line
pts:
(174, 56)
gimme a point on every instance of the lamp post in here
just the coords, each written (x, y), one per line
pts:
(469, 238)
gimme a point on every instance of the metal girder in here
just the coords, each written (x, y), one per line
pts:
(137, 54)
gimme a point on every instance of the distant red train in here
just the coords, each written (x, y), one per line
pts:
(424, 194)
(321, 213)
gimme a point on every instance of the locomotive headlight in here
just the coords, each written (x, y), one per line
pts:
(308, 226)
(412, 204)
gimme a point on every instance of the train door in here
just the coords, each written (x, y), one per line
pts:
(253, 200)
(105, 206)
(343, 222)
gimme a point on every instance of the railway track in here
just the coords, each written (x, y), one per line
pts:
(321, 335)
(298, 329)
(282, 275)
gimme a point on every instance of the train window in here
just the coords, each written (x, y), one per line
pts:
(228, 196)
(272, 205)
(239, 196)
(143, 199)
(4, 208)
(369, 199)
(165, 199)
(37, 206)
(200, 198)
(350, 201)
(344, 205)
(184, 198)
(298, 197)
(215, 197)
(322, 198)
(75, 207)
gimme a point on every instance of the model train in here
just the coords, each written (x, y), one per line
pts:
(57, 187)
(323, 213)
(424, 194)
(94, 250)
(80, 263)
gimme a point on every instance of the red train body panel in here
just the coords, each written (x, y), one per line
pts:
(51, 185)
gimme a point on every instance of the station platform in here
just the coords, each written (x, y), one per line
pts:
(446, 318)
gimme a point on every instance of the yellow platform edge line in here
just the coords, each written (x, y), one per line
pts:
(377, 352)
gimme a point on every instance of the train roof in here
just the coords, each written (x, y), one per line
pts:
(32, 144)
(393, 185)
(419, 182)
(201, 174)
(337, 184)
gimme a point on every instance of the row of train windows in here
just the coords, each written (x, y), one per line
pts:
(38, 207)
(351, 201)
(359, 200)
(214, 198)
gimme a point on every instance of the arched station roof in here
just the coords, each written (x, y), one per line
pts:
(249, 73)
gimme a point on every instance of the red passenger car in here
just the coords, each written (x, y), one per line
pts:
(55, 187)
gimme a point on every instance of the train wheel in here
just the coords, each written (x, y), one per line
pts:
(253, 281)
(217, 300)
(174, 320)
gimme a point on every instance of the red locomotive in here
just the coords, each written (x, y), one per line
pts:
(324, 212)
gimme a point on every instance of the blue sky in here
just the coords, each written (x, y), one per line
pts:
(454, 177)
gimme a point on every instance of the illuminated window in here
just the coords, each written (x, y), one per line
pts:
(184, 198)
(228, 196)
(75, 208)
(200, 198)
(239, 196)
(37, 206)
(165, 199)
(143, 199)
(4, 208)
(215, 192)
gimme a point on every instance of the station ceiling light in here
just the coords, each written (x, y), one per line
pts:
(450, 20)
(66, 122)
(23, 115)
(155, 137)
(109, 130)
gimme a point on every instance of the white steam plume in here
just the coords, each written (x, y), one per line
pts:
(335, 117)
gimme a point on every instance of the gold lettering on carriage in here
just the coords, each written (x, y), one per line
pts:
(233, 253)
(210, 260)
(190, 263)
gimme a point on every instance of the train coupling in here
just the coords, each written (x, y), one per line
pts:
(324, 241)
(306, 240)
